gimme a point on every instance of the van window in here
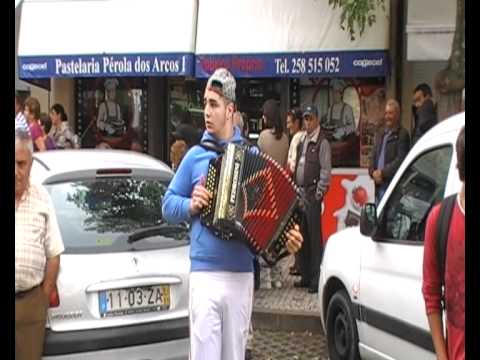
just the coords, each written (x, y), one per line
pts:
(419, 189)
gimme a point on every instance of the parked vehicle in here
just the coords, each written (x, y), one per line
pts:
(122, 290)
(371, 276)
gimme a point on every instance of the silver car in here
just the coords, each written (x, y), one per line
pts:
(122, 290)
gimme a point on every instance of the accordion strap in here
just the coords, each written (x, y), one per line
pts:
(211, 145)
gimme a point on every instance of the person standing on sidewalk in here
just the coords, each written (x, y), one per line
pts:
(312, 174)
(424, 111)
(219, 319)
(295, 129)
(273, 142)
(60, 131)
(20, 121)
(391, 146)
(453, 347)
(38, 245)
(32, 114)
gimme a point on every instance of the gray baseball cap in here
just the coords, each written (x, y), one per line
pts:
(223, 79)
(310, 110)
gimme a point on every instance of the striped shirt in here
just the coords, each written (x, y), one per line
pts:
(37, 237)
(21, 123)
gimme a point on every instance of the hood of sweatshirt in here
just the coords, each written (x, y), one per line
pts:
(236, 137)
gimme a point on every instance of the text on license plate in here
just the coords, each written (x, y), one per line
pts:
(134, 300)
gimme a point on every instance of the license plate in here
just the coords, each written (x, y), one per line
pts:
(134, 300)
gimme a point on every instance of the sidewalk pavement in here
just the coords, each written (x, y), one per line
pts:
(287, 308)
(287, 345)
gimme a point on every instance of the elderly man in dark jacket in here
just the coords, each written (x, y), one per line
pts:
(391, 146)
(424, 111)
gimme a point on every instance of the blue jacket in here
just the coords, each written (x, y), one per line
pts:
(207, 252)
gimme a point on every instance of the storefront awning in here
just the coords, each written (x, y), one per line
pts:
(430, 29)
(101, 38)
(285, 38)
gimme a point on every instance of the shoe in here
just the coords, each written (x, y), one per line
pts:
(277, 284)
(248, 354)
(312, 290)
(300, 284)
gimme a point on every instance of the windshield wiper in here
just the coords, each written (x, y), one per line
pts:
(163, 229)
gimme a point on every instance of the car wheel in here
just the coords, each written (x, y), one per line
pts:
(342, 335)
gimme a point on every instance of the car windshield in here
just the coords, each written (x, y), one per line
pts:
(99, 214)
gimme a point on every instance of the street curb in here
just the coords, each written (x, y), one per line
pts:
(278, 320)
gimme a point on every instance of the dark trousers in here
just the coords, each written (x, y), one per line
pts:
(30, 317)
(311, 253)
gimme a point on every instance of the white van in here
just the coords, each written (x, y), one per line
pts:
(370, 283)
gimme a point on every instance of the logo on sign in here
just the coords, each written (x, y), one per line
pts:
(368, 62)
(35, 67)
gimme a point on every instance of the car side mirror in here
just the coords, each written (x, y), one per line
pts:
(368, 220)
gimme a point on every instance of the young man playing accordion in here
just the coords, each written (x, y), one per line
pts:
(221, 275)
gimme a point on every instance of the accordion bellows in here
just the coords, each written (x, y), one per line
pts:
(254, 200)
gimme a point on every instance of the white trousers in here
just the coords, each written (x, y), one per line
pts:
(220, 305)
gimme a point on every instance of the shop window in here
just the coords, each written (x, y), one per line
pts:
(185, 117)
(350, 112)
(112, 113)
(251, 94)
(186, 107)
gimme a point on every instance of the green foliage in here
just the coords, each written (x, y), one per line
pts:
(356, 14)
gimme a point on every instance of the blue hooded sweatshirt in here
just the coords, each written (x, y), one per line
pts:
(207, 252)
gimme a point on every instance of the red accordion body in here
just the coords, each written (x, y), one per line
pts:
(254, 200)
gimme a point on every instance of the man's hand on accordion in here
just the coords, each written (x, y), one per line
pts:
(294, 239)
(200, 198)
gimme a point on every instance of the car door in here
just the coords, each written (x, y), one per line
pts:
(393, 323)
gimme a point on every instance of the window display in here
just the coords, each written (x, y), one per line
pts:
(350, 112)
(112, 113)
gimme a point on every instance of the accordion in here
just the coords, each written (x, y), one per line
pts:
(254, 200)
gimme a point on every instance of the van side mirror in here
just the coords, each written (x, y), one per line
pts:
(368, 220)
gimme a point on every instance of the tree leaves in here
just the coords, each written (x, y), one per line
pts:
(356, 14)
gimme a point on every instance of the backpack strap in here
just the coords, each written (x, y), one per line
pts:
(443, 228)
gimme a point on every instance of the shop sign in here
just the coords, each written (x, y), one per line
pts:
(106, 65)
(292, 65)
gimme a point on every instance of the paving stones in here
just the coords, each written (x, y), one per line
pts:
(279, 311)
(287, 345)
(288, 298)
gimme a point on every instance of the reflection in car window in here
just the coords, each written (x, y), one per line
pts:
(421, 186)
(98, 212)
